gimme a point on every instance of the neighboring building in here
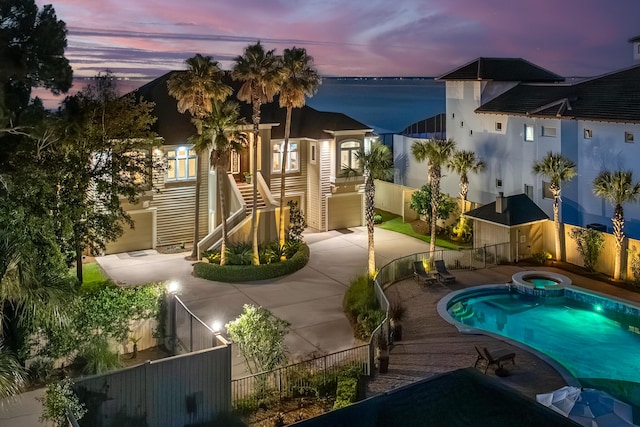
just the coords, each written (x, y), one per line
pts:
(321, 145)
(511, 113)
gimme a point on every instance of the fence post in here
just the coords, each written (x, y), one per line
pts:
(173, 306)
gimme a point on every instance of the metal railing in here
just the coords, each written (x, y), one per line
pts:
(188, 332)
(298, 378)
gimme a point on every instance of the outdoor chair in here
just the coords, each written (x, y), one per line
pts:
(496, 358)
(421, 274)
(443, 273)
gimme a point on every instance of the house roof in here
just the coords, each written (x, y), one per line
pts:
(306, 122)
(520, 210)
(613, 97)
(501, 69)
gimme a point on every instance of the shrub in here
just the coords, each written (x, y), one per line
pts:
(377, 219)
(40, 369)
(590, 244)
(347, 392)
(246, 273)
(97, 357)
(541, 257)
(635, 265)
(57, 400)
(361, 307)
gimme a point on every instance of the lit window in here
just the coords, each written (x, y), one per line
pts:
(349, 155)
(628, 137)
(588, 134)
(548, 131)
(498, 126)
(181, 164)
(292, 162)
(546, 190)
(528, 132)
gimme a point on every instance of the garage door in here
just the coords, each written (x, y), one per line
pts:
(138, 238)
(345, 211)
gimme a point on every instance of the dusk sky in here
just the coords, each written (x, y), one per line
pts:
(145, 38)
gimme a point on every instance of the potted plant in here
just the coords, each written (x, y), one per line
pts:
(247, 177)
(396, 314)
(382, 353)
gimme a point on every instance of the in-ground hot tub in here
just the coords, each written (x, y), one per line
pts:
(540, 280)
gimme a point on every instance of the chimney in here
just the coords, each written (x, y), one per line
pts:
(501, 203)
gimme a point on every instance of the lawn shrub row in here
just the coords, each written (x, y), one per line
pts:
(247, 273)
(361, 307)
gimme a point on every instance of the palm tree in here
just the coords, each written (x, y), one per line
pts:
(617, 188)
(260, 72)
(556, 168)
(462, 162)
(195, 90)
(221, 132)
(376, 164)
(300, 79)
(436, 152)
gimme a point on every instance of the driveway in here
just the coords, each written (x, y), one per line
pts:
(310, 299)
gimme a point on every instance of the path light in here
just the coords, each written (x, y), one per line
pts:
(173, 287)
(216, 326)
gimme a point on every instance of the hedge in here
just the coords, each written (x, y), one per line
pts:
(248, 273)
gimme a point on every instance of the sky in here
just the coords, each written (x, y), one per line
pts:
(146, 38)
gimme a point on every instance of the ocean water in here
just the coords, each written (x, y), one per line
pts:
(387, 104)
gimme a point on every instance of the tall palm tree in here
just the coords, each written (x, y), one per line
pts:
(195, 90)
(300, 80)
(436, 152)
(617, 188)
(556, 168)
(260, 72)
(462, 162)
(377, 163)
(221, 132)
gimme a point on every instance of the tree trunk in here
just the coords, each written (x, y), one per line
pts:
(223, 214)
(464, 190)
(254, 213)
(196, 227)
(556, 223)
(618, 234)
(79, 250)
(370, 191)
(434, 179)
(287, 130)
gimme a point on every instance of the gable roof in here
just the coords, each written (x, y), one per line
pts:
(613, 97)
(306, 122)
(501, 69)
(520, 210)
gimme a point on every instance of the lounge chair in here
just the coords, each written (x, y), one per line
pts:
(496, 358)
(421, 274)
(443, 273)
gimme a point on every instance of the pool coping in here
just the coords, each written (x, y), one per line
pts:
(462, 328)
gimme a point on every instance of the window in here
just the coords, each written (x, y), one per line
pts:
(498, 126)
(588, 134)
(528, 190)
(548, 131)
(312, 152)
(181, 164)
(528, 132)
(628, 137)
(546, 190)
(461, 124)
(292, 164)
(498, 182)
(453, 115)
(348, 155)
(470, 132)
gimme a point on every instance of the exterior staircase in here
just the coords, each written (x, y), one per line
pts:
(246, 190)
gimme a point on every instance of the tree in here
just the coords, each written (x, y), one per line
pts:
(300, 80)
(104, 155)
(12, 375)
(590, 244)
(617, 188)
(436, 152)
(462, 162)
(32, 44)
(195, 90)
(421, 203)
(556, 168)
(260, 72)
(259, 336)
(377, 163)
(221, 132)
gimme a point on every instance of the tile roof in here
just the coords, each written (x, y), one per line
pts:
(501, 69)
(520, 210)
(613, 97)
(306, 122)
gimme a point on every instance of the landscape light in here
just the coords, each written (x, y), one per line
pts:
(173, 287)
(216, 326)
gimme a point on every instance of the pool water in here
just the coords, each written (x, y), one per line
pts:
(587, 342)
(539, 283)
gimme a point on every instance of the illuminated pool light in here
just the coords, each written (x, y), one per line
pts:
(598, 307)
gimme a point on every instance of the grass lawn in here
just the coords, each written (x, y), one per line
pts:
(398, 226)
(93, 276)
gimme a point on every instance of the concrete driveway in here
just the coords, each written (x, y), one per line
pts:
(310, 299)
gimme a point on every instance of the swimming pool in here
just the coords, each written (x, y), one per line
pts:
(591, 336)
